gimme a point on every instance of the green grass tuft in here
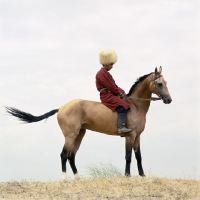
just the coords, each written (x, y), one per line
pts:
(103, 170)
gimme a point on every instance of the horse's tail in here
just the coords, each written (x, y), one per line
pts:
(27, 117)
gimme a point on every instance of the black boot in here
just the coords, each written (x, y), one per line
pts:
(122, 120)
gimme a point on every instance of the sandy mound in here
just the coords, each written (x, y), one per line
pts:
(103, 188)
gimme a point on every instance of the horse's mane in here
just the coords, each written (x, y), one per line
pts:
(137, 82)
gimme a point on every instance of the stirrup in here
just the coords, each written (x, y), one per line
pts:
(124, 130)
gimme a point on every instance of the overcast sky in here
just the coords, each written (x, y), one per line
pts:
(49, 56)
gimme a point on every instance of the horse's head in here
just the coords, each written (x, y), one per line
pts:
(158, 86)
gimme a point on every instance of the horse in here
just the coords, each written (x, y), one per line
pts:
(77, 116)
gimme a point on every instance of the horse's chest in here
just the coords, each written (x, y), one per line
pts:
(137, 123)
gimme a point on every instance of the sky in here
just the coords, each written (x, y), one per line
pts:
(49, 56)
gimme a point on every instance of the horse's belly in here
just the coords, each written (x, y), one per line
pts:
(108, 129)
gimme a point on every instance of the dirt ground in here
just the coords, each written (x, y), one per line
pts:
(103, 188)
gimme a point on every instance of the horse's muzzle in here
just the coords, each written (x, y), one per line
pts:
(167, 100)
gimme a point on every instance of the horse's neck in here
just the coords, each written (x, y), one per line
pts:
(141, 95)
(143, 89)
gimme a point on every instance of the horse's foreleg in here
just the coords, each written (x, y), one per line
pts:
(139, 161)
(128, 160)
(63, 156)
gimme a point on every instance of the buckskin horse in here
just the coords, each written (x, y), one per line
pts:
(76, 116)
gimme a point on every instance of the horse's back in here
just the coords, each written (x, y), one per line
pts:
(82, 106)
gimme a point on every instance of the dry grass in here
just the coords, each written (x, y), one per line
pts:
(104, 188)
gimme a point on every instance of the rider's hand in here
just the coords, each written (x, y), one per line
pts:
(122, 95)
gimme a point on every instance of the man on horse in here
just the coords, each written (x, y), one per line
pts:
(110, 94)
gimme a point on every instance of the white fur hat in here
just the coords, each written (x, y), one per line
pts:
(107, 57)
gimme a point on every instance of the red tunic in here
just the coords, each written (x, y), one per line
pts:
(109, 91)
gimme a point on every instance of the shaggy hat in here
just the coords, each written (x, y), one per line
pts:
(107, 56)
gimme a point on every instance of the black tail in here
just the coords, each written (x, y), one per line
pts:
(27, 117)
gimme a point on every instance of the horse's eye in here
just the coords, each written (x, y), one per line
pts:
(160, 85)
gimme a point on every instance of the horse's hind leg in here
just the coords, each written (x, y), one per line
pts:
(67, 150)
(72, 155)
(71, 158)
(63, 156)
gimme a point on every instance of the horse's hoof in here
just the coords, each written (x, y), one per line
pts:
(64, 176)
(77, 177)
(127, 175)
(142, 175)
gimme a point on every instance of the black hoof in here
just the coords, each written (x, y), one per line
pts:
(128, 175)
(143, 175)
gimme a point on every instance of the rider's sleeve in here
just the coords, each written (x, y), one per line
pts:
(108, 82)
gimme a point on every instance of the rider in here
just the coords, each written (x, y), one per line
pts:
(110, 94)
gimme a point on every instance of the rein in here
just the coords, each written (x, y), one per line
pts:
(151, 99)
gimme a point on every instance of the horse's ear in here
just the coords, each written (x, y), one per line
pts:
(156, 70)
(157, 73)
(160, 69)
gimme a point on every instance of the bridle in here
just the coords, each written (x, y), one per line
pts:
(152, 98)
(153, 80)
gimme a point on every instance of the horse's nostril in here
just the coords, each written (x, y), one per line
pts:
(169, 101)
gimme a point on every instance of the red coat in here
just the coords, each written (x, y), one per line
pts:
(109, 91)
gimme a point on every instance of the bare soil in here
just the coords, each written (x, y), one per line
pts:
(103, 188)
